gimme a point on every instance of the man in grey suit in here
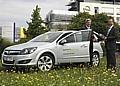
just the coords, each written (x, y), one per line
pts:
(87, 26)
(110, 44)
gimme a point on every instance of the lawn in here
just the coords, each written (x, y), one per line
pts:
(72, 75)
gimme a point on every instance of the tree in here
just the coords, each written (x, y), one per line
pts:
(61, 27)
(78, 20)
(99, 22)
(3, 44)
(35, 27)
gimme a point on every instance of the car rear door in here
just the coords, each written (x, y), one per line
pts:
(82, 44)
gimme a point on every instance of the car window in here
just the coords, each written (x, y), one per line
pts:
(85, 35)
(118, 47)
(78, 37)
(64, 35)
(47, 37)
(70, 39)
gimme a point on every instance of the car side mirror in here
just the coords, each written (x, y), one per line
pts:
(63, 42)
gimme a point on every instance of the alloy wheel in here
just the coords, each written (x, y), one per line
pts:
(45, 63)
(95, 59)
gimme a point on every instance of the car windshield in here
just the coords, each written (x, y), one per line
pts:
(47, 37)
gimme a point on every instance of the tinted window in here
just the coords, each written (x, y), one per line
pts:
(78, 37)
(85, 35)
(70, 39)
(118, 47)
(63, 36)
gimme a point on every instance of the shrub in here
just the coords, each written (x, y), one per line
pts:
(22, 40)
(3, 44)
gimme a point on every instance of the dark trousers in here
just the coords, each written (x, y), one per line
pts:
(91, 52)
(111, 60)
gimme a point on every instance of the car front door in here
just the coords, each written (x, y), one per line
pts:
(74, 50)
(67, 49)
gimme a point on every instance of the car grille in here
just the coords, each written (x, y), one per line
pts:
(12, 52)
(9, 62)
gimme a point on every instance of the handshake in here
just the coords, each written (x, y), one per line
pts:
(101, 36)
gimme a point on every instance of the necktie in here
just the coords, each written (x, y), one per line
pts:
(109, 31)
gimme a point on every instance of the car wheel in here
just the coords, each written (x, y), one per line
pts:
(45, 62)
(7, 68)
(95, 59)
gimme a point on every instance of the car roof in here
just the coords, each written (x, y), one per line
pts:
(63, 31)
(117, 42)
(68, 31)
(73, 31)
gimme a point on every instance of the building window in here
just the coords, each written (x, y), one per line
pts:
(118, 19)
(96, 9)
(108, 10)
(118, 11)
(0, 31)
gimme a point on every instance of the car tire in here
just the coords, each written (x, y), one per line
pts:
(7, 68)
(45, 62)
(95, 59)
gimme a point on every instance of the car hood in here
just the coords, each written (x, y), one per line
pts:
(27, 45)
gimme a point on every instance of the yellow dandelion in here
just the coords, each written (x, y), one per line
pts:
(78, 80)
(52, 76)
(49, 74)
(105, 79)
(89, 78)
(111, 81)
(17, 77)
(68, 81)
(30, 81)
(68, 75)
(118, 79)
(63, 81)
(114, 74)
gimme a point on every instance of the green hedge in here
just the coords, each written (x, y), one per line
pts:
(3, 44)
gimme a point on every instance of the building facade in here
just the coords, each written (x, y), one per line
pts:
(59, 19)
(109, 9)
(9, 31)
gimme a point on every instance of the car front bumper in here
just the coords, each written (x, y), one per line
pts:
(19, 60)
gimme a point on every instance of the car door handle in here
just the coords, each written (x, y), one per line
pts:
(84, 45)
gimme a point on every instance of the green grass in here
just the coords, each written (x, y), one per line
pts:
(63, 76)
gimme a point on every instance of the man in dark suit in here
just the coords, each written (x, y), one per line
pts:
(110, 44)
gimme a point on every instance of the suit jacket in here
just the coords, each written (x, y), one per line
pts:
(84, 28)
(110, 42)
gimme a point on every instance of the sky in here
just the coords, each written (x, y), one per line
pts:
(19, 11)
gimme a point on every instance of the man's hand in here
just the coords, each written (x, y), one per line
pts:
(105, 38)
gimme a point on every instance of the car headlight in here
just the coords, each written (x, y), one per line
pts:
(28, 50)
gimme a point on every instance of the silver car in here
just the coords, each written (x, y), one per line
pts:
(53, 48)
